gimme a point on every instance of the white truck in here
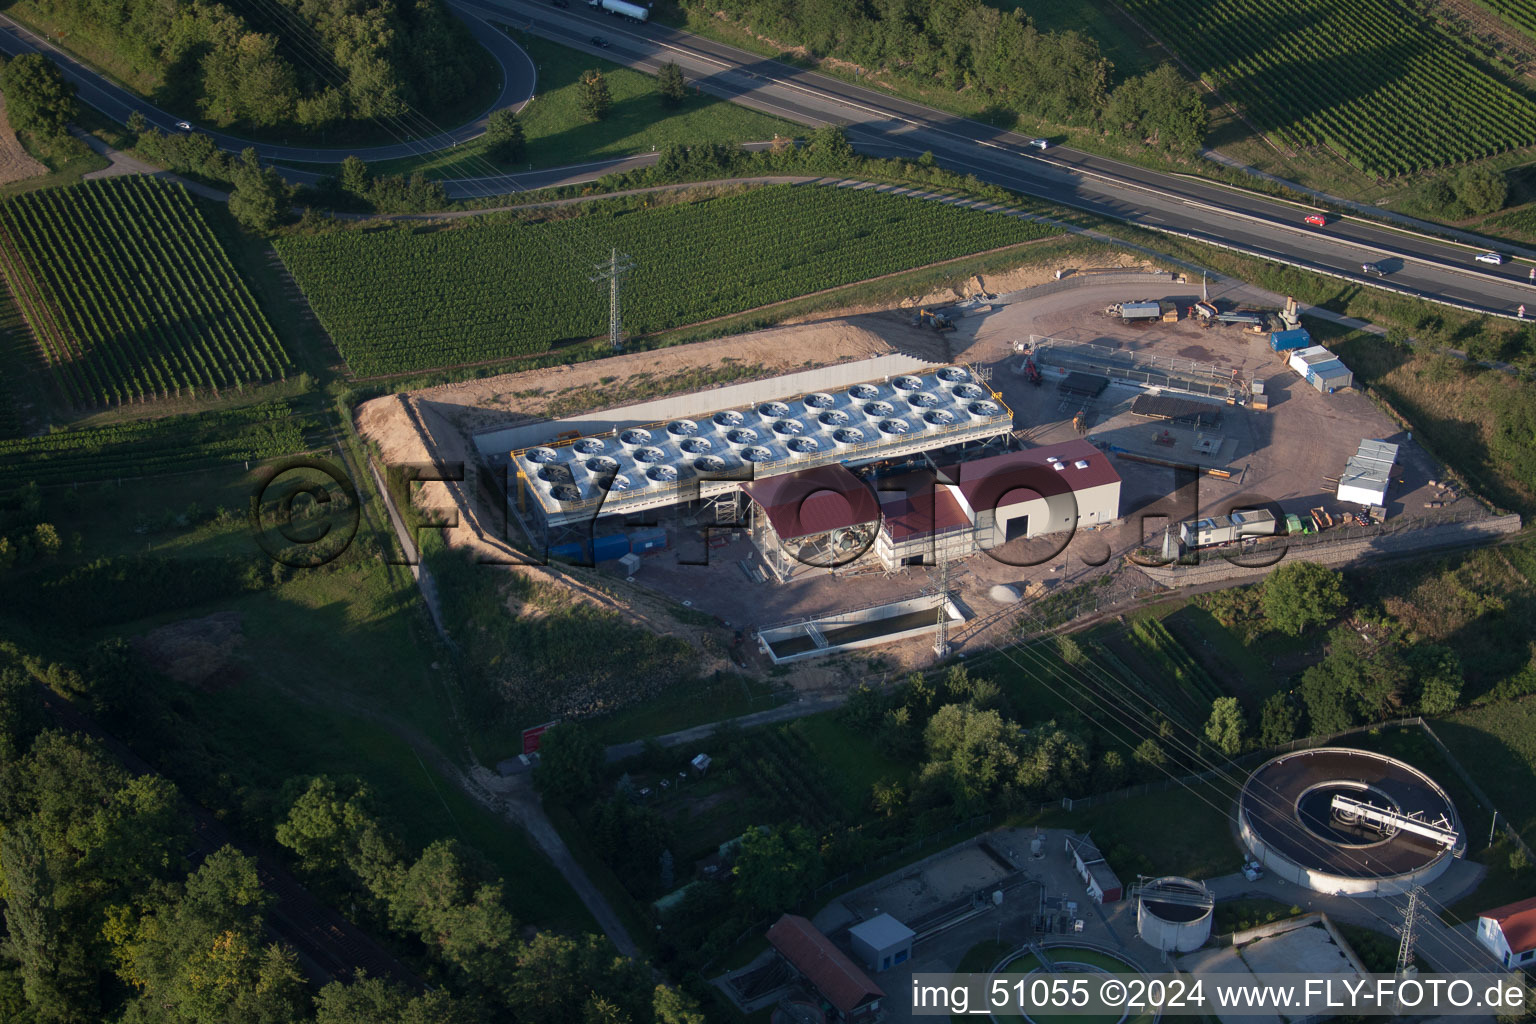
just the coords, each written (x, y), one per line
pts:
(624, 9)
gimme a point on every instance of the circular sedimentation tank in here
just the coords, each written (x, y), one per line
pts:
(1288, 823)
(1174, 914)
(1068, 957)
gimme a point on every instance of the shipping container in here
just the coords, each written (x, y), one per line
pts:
(605, 549)
(645, 541)
(1284, 341)
(572, 552)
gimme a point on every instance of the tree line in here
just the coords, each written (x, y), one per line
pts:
(109, 914)
(304, 63)
(1002, 57)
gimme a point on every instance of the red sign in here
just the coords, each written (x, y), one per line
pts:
(532, 737)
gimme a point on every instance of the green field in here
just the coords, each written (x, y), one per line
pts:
(1367, 79)
(130, 296)
(401, 299)
(559, 134)
(148, 447)
(1498, 743)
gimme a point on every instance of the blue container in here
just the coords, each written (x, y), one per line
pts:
(644, 541)
(1284, 341)
(568, 552)
(606, 549)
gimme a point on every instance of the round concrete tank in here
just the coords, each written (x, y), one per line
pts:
(1174, 914)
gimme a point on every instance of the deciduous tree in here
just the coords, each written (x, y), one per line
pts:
(571, 762)
(776, 868)
(1299, 595)
(504, 135)
(1224, 729)
(37, 98)
(595, 98)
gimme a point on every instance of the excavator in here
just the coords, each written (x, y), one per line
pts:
(938, 321)
(1031, 371)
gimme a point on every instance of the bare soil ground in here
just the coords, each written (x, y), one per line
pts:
(16, 164)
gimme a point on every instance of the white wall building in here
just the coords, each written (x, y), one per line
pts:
(1509, 932)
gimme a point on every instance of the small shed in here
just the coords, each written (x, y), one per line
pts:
(882, 942)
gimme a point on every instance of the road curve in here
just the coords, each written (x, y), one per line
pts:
(518, 78)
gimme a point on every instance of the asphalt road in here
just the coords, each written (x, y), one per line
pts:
(883, 125)
(518, 78)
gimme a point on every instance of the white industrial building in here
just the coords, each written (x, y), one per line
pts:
(1367, 475)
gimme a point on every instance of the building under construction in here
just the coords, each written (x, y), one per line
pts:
(1072, 360)
(912, 469)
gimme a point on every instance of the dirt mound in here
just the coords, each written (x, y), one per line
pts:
(16, 164)
(196, 652)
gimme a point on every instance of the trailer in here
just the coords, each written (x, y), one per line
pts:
(1247, 318)
(634, 12)
(1136, 310)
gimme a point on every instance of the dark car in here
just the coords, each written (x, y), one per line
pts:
(600, 41)
(560, 3)
(1373, 268)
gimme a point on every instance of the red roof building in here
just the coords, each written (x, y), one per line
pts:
(841, 982)
(1510, 932)
(814, 501)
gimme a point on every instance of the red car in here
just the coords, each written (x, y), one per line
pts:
(1317, 220)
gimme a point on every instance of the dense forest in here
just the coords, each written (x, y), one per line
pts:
(269, 63)
(1060, 77)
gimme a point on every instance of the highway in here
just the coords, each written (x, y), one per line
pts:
(883, 125)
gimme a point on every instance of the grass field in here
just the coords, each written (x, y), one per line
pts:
(1499, 742)
(698, 701)
(559, 134)
(1367, 79)
(399, 299)
(130, 296)
(1201, 846)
